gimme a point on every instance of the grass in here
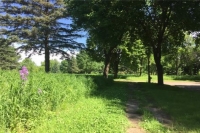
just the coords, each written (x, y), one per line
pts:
(182, 105)
(61, 103)
(144, 78)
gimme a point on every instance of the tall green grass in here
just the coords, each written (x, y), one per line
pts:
(60, 103)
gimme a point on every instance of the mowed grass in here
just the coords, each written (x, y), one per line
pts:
(183, 106)
(144, 78)
(61, 103)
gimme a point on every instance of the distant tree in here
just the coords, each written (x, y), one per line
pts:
(88, 65)
(64, 66)
(54, 66)
(37, 25)
(9, 58)
(31, 66)
(72, 65)
(83, 61)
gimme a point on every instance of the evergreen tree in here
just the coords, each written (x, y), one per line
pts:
(9, 58)
(55, 66)
(73, 66)
(39, 25)
(64, 66)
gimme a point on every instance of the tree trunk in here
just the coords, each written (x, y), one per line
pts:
(157, 58)
(148, 66)
(141, 64)
(107, 62)
(47, 56)
(160, 74)
(106, 69)
(47, 53)
(116, 64)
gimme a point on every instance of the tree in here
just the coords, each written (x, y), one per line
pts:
(86, 64)
(159, 25)
(104, 21)
(39, 26)
(83, 61)
(31, 66)
(9, 58)
(72, 65)
(55, 66)
(64, 66)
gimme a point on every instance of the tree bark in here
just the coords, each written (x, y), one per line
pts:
(47, 56)
(148, 65)
(107, 62)
(116, 64)
(46, 43)
(157, 58)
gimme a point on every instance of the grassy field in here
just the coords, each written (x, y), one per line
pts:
(144, 78)
(61, 103)
(183, 106)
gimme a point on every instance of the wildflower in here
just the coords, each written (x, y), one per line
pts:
(23, 73)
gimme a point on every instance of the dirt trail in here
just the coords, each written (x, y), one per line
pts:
(131, 108)
(191, 85)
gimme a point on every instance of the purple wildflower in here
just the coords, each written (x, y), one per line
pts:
(23, 73)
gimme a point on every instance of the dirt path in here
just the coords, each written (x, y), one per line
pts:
(131, 109)
(185, 84)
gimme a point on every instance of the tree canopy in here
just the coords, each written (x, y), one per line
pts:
(40, 26)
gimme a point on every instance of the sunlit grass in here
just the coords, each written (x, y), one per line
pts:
(61, 103)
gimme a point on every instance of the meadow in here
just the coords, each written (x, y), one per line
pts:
(67, 103)
(61, 103)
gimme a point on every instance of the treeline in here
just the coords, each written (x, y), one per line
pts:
(181, 61)
(80, 63)
(132, 36)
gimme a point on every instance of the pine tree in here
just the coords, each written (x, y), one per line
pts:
(9, 58)
(73, 66)
(39, 26)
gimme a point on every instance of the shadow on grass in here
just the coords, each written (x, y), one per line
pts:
(109, 89)
(181, 104)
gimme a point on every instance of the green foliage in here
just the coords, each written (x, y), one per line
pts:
(38, 27)
(29, 64)
(87, 65)
(64, 66)
(54, 66)
(9, 58)
(72, 65)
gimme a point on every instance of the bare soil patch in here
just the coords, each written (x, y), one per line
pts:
(191, 85)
